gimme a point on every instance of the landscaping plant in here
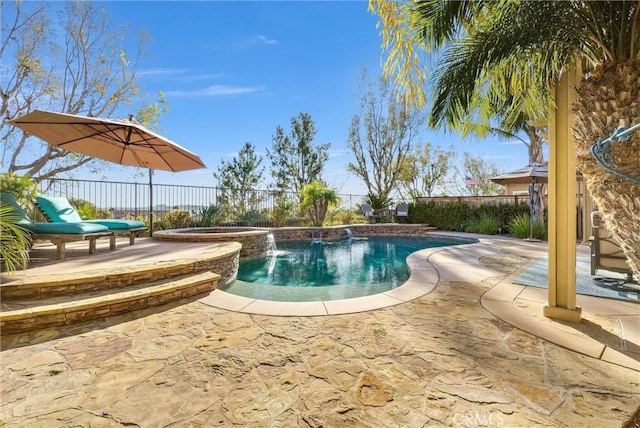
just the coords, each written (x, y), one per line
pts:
(486, 225)
(14, 240)
(316, 200)
(520, 227)
(210, 215)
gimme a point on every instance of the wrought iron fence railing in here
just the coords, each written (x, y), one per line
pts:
(133, 199)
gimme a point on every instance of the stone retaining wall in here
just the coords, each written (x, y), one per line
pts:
(227, 267)
(255, 241)
(340, 232)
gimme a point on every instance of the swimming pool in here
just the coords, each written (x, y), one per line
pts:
(300, 271)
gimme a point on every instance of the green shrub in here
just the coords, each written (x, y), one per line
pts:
(447, 216)
(254, 217)
(21, 186)
(520, 227)
(210, 215)
(486, 225)
(459, 215)
(343, 216)
(502, 212)
(173, 220)
(282, 212)
(89, 211)
(377, 202)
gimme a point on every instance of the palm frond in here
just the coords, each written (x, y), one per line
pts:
(14, 240)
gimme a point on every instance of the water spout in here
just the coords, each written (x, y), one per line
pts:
(271, 244)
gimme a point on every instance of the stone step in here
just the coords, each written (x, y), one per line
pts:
(55, 311)
(71, 284)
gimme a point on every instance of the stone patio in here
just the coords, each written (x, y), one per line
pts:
(461, 355)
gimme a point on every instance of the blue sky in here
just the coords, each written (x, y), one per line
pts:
(233, 71)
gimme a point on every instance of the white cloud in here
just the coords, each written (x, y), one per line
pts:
(178, 74)
(337, 153)
(264, 40)
(205, 76)
(255, 41)
(161, 72)
(215, 91)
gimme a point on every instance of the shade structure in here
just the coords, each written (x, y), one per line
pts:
(533, 173)
(124, 142)
(120, 141)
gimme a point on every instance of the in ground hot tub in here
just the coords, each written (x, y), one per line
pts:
(255, 241)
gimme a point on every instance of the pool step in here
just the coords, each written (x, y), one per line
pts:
(20, 315)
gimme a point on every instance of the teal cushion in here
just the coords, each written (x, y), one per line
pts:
(118, 224)
(10, 200)
(58, 209)
(66, 228)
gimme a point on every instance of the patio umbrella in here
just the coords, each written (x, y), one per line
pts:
(531, 174)
(124, 142)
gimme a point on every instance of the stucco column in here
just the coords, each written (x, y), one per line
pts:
(561, 303)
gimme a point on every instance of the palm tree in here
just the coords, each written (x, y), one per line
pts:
(316, 200)
(525, 46)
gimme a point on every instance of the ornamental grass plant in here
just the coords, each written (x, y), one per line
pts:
(520, 227)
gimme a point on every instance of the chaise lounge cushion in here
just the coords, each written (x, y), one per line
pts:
(78, 228)
(59, 210)
(82, 228)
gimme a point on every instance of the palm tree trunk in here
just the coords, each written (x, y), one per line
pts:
(609, 98)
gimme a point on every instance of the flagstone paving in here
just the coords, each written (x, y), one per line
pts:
(439, 360)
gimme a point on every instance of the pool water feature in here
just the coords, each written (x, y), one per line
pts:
(330, 270)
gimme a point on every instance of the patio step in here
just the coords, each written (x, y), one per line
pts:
(21, 315)
(70, 283)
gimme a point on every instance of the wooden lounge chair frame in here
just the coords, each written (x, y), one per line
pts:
(60, 241)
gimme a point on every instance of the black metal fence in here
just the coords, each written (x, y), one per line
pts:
(133, 199)
(127, 199)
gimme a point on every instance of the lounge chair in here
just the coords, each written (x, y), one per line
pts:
(60, 233)
(402, 211)
(367, 212)
(605, 251)
(59, 210)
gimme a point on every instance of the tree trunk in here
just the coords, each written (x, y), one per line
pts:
(609, 98)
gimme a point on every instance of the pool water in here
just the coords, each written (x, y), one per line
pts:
(330, 270)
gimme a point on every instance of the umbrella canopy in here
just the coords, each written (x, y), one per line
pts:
(119, 141)
(534, 173)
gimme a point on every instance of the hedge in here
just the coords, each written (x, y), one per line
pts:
(456, 216)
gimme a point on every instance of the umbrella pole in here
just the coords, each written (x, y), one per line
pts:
(532, 195)
(150, 202)
(532, 192)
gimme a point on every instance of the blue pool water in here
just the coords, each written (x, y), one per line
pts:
(329, 270)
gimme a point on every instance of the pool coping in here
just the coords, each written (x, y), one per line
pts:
(424, 277)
